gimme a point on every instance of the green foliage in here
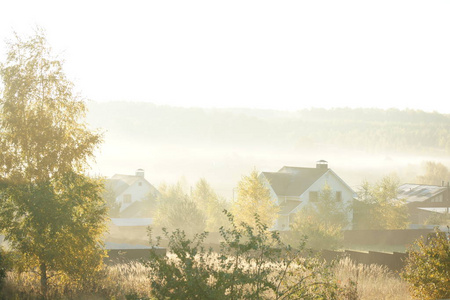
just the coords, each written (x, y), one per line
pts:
(210, 204)
(50, 211)
(150, 205)
(176, 210)
(435, 173)
(253, 264)
(253, 197)
(110, 198)
(427, 268)
(320, 235)
(379, 206)
(3, 267)
(362, 128)
(435, 218)
(322, 221)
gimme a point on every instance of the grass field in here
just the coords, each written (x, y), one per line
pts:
(132, 281)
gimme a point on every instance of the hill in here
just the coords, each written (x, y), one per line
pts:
(361, 129)
(223, 144)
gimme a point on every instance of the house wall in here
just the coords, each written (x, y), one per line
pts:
(336, 184)
(282, 222)
(418, 216)
(136, 192)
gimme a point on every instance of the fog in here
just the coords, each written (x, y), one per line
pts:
(221, 145)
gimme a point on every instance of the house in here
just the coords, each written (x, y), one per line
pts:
(424, 200)
(130, 192)
(293, 187)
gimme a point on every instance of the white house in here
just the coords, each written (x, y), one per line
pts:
(293, 187)
(131, 190)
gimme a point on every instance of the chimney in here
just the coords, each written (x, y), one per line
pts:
(140, 173)
(322, 165)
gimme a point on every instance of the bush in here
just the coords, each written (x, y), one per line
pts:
(427, 268)
(253, 264)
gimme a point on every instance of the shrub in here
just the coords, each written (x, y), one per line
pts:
(427, 268)
(253, 264)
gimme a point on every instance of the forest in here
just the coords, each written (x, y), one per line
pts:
(370, 130)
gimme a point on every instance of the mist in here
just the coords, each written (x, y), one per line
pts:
(220, 145)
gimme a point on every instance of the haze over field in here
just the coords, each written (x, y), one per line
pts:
(221, 145)
(282, 57)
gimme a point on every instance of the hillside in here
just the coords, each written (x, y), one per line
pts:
(223, 144)
(359, 129)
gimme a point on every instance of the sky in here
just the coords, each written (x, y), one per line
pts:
(284, 55)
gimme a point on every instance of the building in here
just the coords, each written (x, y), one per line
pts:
(293, 187)
(424, 200)
(130, 192)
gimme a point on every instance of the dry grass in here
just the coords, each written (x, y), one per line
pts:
(373, 281)
(125, 279)
(114, 282)
(117, 281)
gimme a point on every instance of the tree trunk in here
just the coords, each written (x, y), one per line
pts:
(44, 286)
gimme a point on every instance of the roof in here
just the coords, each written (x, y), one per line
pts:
(120, 183)
(419, 192)
(440, 210)
(293, 181)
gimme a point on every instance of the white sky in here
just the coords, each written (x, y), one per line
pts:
(265, 54)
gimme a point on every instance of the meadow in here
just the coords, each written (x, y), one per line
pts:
(133, 281)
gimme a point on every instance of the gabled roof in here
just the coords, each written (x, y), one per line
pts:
(120, 183)
(293, 181)
(439, 210)
(419, 192)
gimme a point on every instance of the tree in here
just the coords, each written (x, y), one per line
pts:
(177, 211)
(110, 198)
(150, 205)
(253, 197)
(322, 222)
(210, 204)
(435, 173)
(51, 212)
(436, 218)
(427, 269)
(379, 206)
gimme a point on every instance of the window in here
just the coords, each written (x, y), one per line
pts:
(339, 196)
(127, 198)
(313, 196)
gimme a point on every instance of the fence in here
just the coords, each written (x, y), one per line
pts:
(394, 261)
(384, 237)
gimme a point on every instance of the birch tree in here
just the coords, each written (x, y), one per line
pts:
(253, 197)
(50, 210)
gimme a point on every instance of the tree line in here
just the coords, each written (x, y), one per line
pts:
(372, 130)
